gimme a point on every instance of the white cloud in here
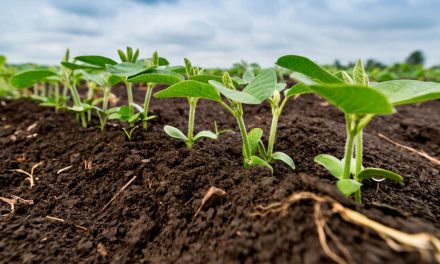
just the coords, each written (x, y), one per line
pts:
(219, 33)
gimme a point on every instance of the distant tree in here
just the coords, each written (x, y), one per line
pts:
(338, 64)
(372, 63)
(416, 58)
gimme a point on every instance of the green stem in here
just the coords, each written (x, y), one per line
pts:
(244, 135)
(348, 151)
(147, 104)
(273, 132)
(105, 99)
(57, 96)
(77, 101)
(192, 111)
(43, 89)
(359, 150)
(130, 99)
(35, 88)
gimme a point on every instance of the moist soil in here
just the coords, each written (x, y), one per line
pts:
(153, 220)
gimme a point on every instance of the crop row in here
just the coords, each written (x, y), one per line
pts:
(353, 93)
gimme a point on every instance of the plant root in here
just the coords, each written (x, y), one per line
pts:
(212, 193)
(30, 175)
(421, 153)
(426, 244)
(13, 201)
(65, 222)
(119, 192)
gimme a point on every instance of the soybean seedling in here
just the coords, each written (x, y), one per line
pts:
(192, 90)
(360, 101)
(256, 91)
(129, 132)
(151, 79)
(277, 106)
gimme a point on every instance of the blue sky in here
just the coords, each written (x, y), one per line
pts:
(219, 33)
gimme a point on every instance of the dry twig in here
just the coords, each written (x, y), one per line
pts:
(119, 192)
(211, 193)
(15, 200)
(421, 153)
(65, 222)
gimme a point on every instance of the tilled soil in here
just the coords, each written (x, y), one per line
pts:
(153, 220)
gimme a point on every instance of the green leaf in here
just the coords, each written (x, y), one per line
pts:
(122, 55)
(127, 69)
(174, 133)
(96, 60)
(205, 133)
(134, 117)
(307, 67)
(28, 78)
(257, 161)
(113, 79)
(369, 173)
(332, 164)
(284, 158)
(354, 99)
(348, 186)
(297, 89)
(359, 75)
(156, 78)
(234, 95)
(262, 86)
(204, 78)
(248, 76)
(189, 88)
(74, 66)
(254, 136)
(408, 91)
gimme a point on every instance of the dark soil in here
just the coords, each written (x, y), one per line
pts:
(153, 221)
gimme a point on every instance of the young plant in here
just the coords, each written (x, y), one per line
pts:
(277, 106)
(256, 91)
(151, 79)
(192, 90)
(360, 101)
(129, 132)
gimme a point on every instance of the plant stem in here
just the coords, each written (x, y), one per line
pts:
(273, 132)
(244, 135)
(192, 111)
(35, 88)
(105, 99)
(147, 104)
(348, 155)
(359, 149)
(130, 99)
(77, 101)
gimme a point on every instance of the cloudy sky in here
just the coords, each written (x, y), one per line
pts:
(219, 33)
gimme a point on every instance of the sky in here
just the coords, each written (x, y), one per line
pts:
(218, 33)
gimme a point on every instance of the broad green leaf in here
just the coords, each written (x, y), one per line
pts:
(96, 60)
(121, 113)
(262, 86)
(254, 136)
(74, 66)
(127, 69)
(297, 89)
(238, 80)
(174, 133)
(359, 75)
(248, 76)
(204, 78)
(332, 164)
(205, 133)
(257, 161)
(348, 186)
(177, 69)
(354, 99)
(408, 91)
(235, 95)
(189, 88)
(284, 158)
(307, 67)
(369, 173)
(155, 78)
(28, 78)
(113, 79)
(301, 78)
